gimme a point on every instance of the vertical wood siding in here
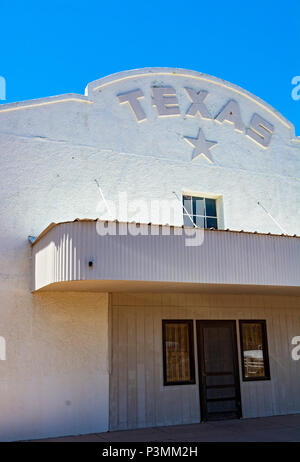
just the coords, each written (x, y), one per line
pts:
(138, 397)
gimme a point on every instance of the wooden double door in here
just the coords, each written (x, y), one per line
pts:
(218, 370)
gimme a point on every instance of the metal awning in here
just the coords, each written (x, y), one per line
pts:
(89, 255)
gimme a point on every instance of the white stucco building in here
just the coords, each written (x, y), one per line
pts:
(110, 326)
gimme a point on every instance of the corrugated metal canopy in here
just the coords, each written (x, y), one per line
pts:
(33, 240)
(83, 255)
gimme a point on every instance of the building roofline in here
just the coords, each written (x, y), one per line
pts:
(95, 85)
(52, 225)
(125, 75)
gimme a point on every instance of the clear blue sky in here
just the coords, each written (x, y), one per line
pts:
(54, 47)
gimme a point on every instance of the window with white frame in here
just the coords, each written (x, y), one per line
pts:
(199, 211)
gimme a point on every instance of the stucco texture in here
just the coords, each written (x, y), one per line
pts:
(55, 378)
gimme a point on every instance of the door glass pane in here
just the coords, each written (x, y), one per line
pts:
(221, 406)
(253, 355)
(218, 352)
(227, 392)
(177, 349)
(212, 380)
(211, 210)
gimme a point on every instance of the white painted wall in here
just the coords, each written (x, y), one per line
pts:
(55, 378)
(51, 152)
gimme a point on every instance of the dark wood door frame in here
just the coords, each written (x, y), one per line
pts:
(202, 376)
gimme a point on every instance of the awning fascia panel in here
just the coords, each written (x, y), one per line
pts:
(75, 251)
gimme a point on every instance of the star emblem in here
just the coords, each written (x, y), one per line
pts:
(201, 145)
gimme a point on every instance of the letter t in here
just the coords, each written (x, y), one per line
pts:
(132, 98)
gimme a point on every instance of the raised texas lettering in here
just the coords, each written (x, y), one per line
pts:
(260, 130)
(132, 98)
(231, 113)
(197, 105)
(165, 101)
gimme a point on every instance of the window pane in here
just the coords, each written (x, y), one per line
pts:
(253, 354)
(202, 211)
(187, 203)
(200, 222)
(211, 223)
(177, 351)
(211, 210)
(198, 206)
(187, 221)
